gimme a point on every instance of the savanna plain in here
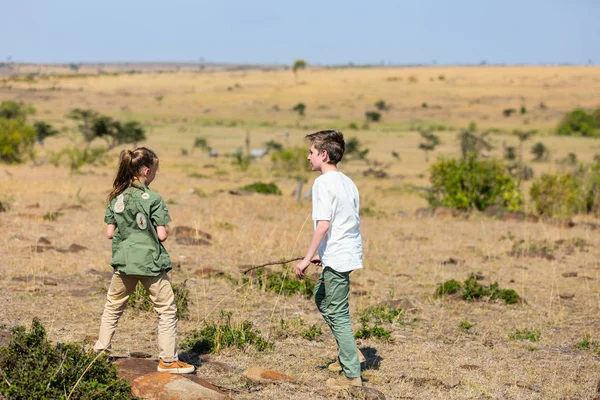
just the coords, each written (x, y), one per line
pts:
(439, 347)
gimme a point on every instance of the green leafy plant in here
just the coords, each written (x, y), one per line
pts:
(465, 325)
(579, 123)
(373, 319)
(32, 368)
(283, 282)
(263, 188)
(300, 108)
(52, 215)
(354, 148)
(470, 183)
(472, 290)
(312, 332)
(222, 334)
(532, 335)
(373, 116)
(559, 195)
(540, 151)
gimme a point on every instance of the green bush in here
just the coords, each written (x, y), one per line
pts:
(373, 116)
(291, 159)
(223, 334)
(263, 188)
(533, 335)
(284, 282)
(312, 332)
(470, 183)
(472, 290)
(373, 318)
(559, 195)
(10, 109)
(16, 140)
(579, 123)
(32, 368)
(354, 148)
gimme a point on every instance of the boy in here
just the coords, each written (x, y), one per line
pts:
(339, 244)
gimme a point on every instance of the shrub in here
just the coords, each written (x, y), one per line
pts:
(472, 290)
(578, 123)
(300, 108)
(32, 368)
(382, 106)
(540, 151)
(223, 334)
(44, 130)
(10, 109)
(292, 159)
(263, 188)
(470, 183)
(558, 195)
(465, 325)
(533, 335)
(507, 112)
(16, 140)
(449, 287)
(372, 319)
(312, 332)
(77, 157)
(354, 148)
(283, 282)
(373, 116)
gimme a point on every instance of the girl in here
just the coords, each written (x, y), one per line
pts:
(136, 221)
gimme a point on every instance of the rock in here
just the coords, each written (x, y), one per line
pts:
(261, 375)
(187, 231)
(470, 367)
(50, 282)
(4, 338)
(366, 393)
(569, 274)
(162, 385)
(76, 248)
(189, 241)
(43, 240)
(208, 271)
(400, 304)
(567, 296)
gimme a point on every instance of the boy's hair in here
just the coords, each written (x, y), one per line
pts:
(330, 141)
(131, 164)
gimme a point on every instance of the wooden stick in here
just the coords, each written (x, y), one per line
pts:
(247, 268)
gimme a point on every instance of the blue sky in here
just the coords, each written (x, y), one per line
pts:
(319, 31)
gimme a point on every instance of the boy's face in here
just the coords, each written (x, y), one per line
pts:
(316, 158)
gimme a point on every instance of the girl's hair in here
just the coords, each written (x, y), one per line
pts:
(131, 164)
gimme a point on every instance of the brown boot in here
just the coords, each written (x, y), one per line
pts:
(342, 382)
(337, 367)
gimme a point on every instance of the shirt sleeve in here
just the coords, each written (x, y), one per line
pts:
(321, 202)
(159, 213)
(109, 217)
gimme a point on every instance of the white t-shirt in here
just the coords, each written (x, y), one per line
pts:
(335, 199)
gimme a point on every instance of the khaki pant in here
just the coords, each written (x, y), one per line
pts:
(161, 293)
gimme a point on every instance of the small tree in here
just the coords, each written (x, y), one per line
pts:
(431, 141)
(299, 108)
(382, 106)
(540, 152)
(355, 148)
(44, 130)
(298, 65)
(471, 143)
(373, 116)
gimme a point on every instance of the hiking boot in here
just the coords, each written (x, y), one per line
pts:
(342, 382)
(337, 367)
(175, 367)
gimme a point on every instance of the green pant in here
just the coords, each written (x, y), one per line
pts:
(331, 296)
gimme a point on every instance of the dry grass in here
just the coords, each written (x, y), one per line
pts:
(430, 357)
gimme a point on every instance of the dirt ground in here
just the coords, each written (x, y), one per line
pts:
(62, 278)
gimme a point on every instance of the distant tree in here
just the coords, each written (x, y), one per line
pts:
(300, 108)
(44, 130)
(93, 125)
(471, 144)
(540, 151)
(74, 67)
(431, 141)
(373, 116)
(10, 109)
(507, 112)
(298, 65)
(354, 147)
(382, 106)
(523, 136)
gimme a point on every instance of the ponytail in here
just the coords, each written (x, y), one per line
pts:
(130, 165)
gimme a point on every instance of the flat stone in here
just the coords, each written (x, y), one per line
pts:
(261, 375)
(162, 386)
(366, 393)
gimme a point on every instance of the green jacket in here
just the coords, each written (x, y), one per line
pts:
(136, 250)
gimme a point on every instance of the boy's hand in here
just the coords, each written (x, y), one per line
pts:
(301, 267)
